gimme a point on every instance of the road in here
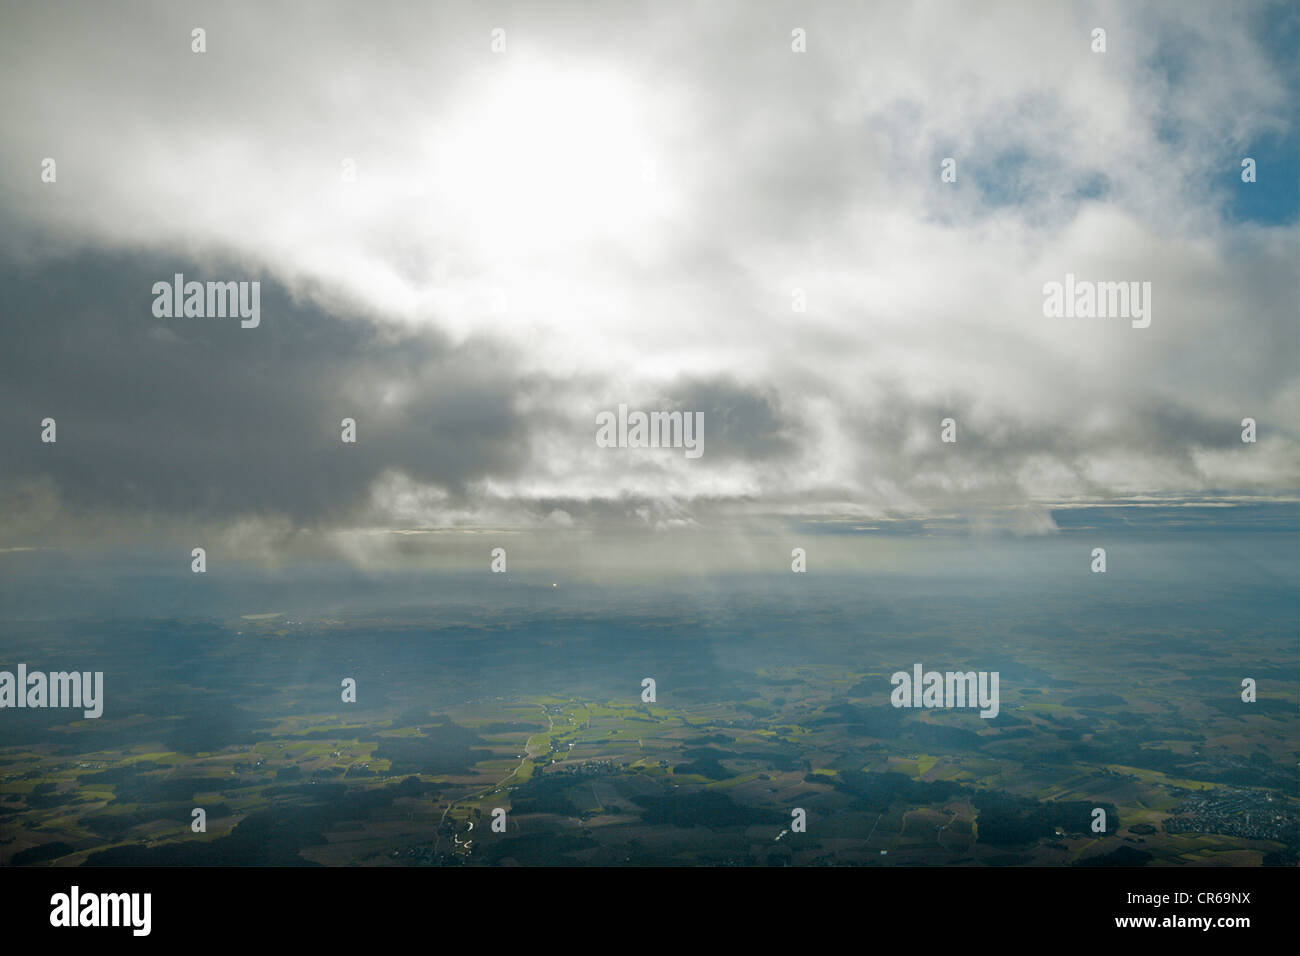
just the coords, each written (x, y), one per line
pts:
(528, 755)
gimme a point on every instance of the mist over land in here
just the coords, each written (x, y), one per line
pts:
(522, 691)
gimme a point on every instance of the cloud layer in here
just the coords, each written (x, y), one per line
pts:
(627, 206)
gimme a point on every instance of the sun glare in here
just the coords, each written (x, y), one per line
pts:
(548, 155)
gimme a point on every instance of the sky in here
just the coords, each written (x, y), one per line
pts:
(661, 205)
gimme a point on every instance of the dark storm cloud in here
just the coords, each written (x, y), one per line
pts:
(741, 422)
(200, 419)
(198, 416)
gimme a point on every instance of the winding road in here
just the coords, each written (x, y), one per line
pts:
(528, 755)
